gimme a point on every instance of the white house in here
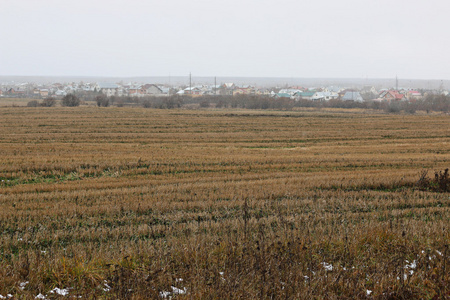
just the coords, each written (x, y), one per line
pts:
(151, 90)
(324, 96)
(353, 96)
(109, 89)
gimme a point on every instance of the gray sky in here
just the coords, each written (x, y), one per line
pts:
(276, 38)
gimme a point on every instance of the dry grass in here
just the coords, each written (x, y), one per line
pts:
(16, 102)
(239, 204)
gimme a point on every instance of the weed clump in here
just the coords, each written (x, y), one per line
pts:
(440, 182)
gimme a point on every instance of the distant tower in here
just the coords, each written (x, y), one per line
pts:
(441, 87)
(396, 83)
(190, 83)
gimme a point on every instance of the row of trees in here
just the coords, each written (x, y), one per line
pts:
(69, 100)
(429, 103)
(47, 102)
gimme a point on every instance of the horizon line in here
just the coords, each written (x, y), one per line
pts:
(230, 76)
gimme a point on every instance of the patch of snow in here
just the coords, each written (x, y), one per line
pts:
(410, 266)
(177, 291)
(438, 252)
(106, 288)
(404, 277)
(40, 296)
(62, 292)
(9, 295)
(327, 267)
(221, 276)
(2, 297)
(164, 294)
(178, 279)
(22, 285)
(368, 292)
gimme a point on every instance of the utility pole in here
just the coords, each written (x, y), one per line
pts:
(215, 85)
(190, 83)
(396, 83)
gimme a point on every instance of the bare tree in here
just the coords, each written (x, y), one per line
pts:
(70, 100)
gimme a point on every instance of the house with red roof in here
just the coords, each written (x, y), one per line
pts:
(413, 95)
(391, 95)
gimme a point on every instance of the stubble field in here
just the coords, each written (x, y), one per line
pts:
(138, 203)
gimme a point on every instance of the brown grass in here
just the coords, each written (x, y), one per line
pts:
(238, 204)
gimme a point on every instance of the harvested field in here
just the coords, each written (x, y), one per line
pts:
(133, 203)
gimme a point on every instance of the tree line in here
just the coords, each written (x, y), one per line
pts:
(439, 103)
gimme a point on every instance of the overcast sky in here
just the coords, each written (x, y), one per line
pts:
(267, 38)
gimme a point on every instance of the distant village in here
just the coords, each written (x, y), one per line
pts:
(326, 93)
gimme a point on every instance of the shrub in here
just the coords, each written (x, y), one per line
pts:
(102, 101)
(440, 182)
(410, 107)
(48, 102)
(393, 107)
(204, 104)
(33, 103)
(221, 103)
(146, 103)
(70, 100)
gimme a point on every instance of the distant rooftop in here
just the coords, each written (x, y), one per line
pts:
(107, 85)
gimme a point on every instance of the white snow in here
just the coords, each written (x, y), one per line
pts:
(2, 297)
(438, 252)
(22, 285)
(62, 292)
(410, 266)
(175, 291)
(164, 294)
(40, 296)
(327, 267)
(106, 288)
(368, 292)
(404, 277)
